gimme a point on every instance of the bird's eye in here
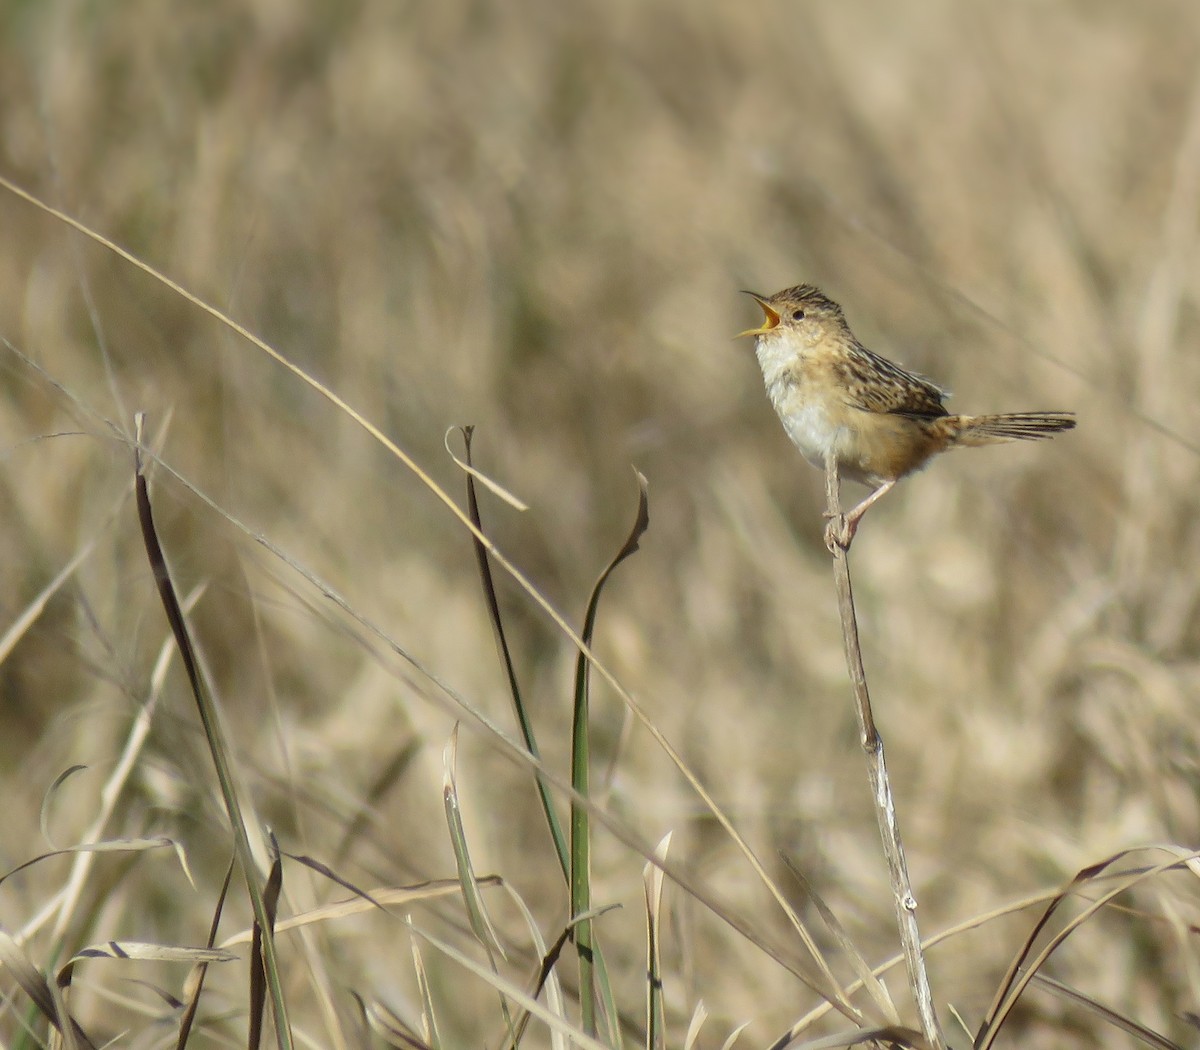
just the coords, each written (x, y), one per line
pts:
(797, 315)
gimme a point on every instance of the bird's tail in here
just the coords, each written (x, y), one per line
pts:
(1011, 426)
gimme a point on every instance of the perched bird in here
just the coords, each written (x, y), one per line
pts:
(843, 404)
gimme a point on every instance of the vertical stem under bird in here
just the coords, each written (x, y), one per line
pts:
(881, 790)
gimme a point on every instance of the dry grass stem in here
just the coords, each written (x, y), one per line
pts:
(881, 787)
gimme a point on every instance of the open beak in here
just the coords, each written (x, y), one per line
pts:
(770, 316)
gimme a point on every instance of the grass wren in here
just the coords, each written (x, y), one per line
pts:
(846, 407)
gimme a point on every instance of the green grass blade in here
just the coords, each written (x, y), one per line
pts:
(581, 894)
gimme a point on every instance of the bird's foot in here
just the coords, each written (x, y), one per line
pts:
(839, 532)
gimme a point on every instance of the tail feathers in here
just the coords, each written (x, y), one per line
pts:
(1026, 426)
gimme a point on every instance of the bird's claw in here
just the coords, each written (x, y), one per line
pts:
(839, 532)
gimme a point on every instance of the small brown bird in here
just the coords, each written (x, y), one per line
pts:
(877, 421)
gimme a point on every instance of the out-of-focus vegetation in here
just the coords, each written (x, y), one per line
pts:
(536, 218)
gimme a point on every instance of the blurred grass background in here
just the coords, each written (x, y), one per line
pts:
(536, 219)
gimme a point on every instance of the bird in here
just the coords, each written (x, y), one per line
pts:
(847, 407)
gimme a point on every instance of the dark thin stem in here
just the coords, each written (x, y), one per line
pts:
(217, 746)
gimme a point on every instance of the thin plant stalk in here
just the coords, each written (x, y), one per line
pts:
(217, 746)
(581, 841)
(526, 725)
(881, 789)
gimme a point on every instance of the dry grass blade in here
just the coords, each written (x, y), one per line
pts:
(47, 800)
(389, 774)
(510, 991)
(1011, 976)
(559, 1039)
(895, 1037)
(111, 846)
(874, 987)
(327, 872)
(481, 923)
(475, 474)
(546, 967)
(691, 1038)
(68, 1031)
(30, 614)
(195, 981)
(216, 743)
(546, 979)
(63, 903)
(1107, 1015)
(143, 950)
(1023, 969)
(959, 1020)
(429, 1028)
(973, 923)
(140, 951)
(259, 935)
(388, 1026)
(510, 671)
(546, 976)
(653, 878)
(734, 1036)
(40, 993)
(376, 897)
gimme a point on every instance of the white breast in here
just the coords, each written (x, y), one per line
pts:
(809, 428)
(804, 418)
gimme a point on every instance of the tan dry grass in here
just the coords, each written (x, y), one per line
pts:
(536, 220)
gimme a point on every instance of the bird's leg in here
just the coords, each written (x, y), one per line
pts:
(842, 527)
(836, 524)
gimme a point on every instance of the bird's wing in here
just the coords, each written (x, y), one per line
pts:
(875, 384)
